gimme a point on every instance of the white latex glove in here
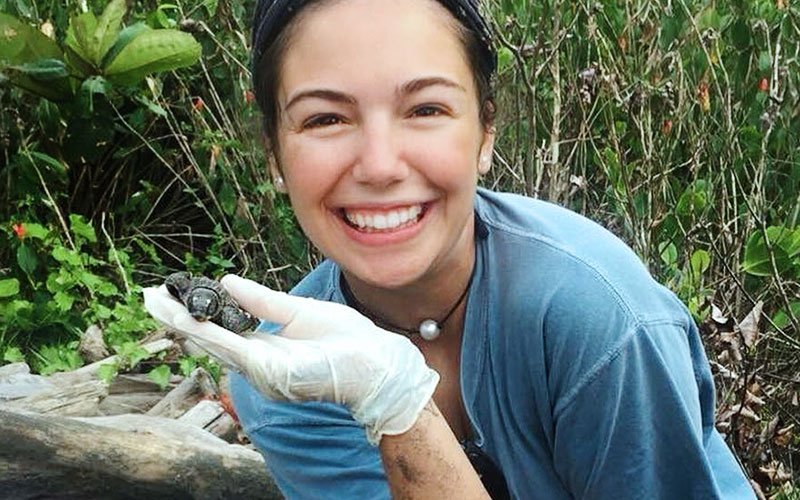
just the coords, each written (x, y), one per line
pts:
(325, 352)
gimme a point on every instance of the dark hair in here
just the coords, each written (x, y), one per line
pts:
(267, 65)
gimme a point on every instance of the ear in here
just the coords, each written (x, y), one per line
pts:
(277, 176)
(487, 149)
(274, 169)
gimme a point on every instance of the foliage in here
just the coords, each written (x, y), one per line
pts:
(675, 124)
(95, 50)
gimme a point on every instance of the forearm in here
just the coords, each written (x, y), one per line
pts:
(427, 462)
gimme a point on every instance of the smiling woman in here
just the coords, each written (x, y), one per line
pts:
(456, 341)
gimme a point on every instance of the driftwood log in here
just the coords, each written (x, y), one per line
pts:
(134, 456)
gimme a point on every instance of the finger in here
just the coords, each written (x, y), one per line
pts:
(222, 344)
(161, 305)
(263, 302)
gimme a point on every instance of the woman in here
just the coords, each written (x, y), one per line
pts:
(515, 328)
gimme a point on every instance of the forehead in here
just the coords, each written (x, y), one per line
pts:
(344, 41)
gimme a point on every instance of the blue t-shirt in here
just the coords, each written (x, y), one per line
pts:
(582, 377)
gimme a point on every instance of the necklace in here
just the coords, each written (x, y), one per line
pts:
(429, 329)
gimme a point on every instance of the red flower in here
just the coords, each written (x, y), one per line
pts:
(249, 96)
(198, 104)
(19, 230)
(763, 85)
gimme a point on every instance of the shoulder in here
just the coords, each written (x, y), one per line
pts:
(570, 289)
(546, 250)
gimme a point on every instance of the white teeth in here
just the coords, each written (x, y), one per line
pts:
(386, 220)
(379, 221)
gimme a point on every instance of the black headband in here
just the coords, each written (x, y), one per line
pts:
(271, 16)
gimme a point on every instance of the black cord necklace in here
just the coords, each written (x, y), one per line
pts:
(428, 329)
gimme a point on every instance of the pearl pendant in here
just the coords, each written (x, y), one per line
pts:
(429, 329)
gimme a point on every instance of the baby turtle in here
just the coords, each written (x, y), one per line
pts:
(206, 299)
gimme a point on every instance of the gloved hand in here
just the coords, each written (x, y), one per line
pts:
(325, 352)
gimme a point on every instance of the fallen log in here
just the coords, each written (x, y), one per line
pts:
(80, 399)
(211, 416)
(46, 456)
(197, 385)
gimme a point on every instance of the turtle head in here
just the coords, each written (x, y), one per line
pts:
(203, 303)
(178, 284)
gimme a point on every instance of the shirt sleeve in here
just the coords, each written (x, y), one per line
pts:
(312, 450)
(641, 424)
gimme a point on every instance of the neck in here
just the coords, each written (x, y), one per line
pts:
(429, 298)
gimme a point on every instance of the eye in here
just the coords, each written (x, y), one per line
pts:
(322, 121)
(427, 110)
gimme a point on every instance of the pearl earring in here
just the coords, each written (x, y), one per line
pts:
(483, 165)
(280, 185)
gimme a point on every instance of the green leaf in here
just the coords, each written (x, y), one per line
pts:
(64, 255)
(785, 245)
(125, 37)
(98, 284)
(152, 106)
(740, 32)
(668, 253)
(160, 375)
(33, 230)
(505, 58)
(211, 7)
(13, 355)
(80, 228)
(709, 18)
(95, 85)
(227, 198)
(186, 365)
(21, 44)
(80, 37)
(9, 287)
(782, 320)
(131, 354)
(764, 61)
(699, 262)
(152, 51)
(108, 28)
(56, 166)
(63, 300)
(106, 372)
(693, 200)
(26, 258)
(43, 70)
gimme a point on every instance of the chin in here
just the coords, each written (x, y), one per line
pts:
(383, 275)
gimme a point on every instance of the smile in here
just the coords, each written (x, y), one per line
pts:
(371, 221)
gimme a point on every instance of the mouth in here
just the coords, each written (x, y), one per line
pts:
(383, 220)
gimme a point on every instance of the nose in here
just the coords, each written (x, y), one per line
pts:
(379, 161)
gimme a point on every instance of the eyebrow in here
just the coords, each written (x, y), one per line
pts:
(407, 88)
(327, 94)
(421, 83)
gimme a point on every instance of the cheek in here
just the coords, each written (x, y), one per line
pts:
(312, 168)
(447, 159)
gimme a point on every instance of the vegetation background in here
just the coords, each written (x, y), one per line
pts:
(675, 123)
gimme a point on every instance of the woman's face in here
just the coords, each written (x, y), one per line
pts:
(380, 138)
